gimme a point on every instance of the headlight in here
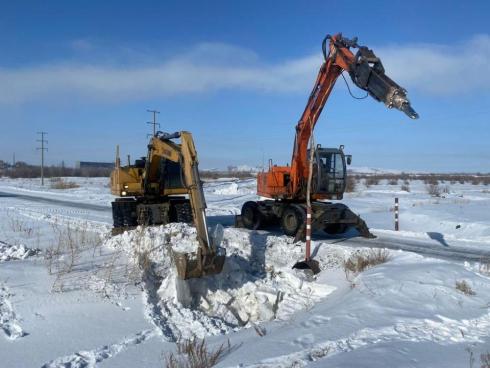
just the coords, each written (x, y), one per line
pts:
(123, 193)
(126, 187)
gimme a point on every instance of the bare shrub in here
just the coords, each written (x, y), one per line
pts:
(393, 182)
(59, 183)
(446, 189)
(433, 189)
(371, 180)
(405, 188)
(360, 261)
(351, 184)
(464, 287)
(194, 353)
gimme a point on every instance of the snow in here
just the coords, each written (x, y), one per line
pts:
(10, 252)
(112, 301)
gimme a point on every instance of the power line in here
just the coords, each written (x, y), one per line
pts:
(154, 122)
(42, 149)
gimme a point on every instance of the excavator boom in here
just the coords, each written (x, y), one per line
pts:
(366, 71)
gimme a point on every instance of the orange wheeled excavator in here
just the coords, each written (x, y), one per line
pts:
(286, 186)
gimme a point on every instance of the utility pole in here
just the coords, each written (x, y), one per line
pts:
(13, 160)
(42, 149)
(154, 122)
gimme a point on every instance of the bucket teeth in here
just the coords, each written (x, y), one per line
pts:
(196, 265)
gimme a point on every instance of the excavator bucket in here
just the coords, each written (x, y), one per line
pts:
(308, 264)
(205, 262)
(196, 265)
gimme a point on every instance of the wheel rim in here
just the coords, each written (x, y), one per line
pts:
(291, 221)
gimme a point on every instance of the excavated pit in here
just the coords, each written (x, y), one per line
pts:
(257, 283)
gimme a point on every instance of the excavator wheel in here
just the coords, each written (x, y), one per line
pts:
(251, 216)
(291, 220)
(124, 213)
(333, 229)
(182, 212)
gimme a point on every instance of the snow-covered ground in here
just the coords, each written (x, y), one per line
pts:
(71, 296)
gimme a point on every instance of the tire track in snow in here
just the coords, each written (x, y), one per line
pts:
(60, 202)
(90, 358)
(9, 322)
(444, 331)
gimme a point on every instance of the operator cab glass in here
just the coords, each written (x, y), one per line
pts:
(330, 173)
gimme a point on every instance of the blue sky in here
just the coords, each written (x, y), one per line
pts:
(237, 75)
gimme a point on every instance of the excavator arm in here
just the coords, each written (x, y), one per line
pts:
(210, 258)
(366, 72)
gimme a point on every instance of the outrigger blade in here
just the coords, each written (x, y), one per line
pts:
(308, 264)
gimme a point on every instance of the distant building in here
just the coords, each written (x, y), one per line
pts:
(93, 165)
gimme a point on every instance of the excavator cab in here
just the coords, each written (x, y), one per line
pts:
(329, 172)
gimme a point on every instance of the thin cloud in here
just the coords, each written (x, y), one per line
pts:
(441, 69)
(432, 69)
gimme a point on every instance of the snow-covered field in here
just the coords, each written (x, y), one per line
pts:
(71, 296)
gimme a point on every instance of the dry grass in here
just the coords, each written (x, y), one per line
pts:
(194, 353)
(360, 261)
(59, 183)
(464, 287)
(64, 254)
(18, 225)
(434, 190)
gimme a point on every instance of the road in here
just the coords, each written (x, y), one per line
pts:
(438, 247)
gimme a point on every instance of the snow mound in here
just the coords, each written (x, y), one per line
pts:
(10, 252)
(9, 323)
(229, 189)
(257, 283)
(235, 188)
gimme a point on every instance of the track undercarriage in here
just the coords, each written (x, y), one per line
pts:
(128, 213)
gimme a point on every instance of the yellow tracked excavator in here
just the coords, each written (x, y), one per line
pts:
(165, 187)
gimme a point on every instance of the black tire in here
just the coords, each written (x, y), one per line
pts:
(251, 216)
(117, 216)
(182, 212)
(291, 220)
(124, 213)
(334, 229)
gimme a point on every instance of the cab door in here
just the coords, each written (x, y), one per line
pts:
(330, 171)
